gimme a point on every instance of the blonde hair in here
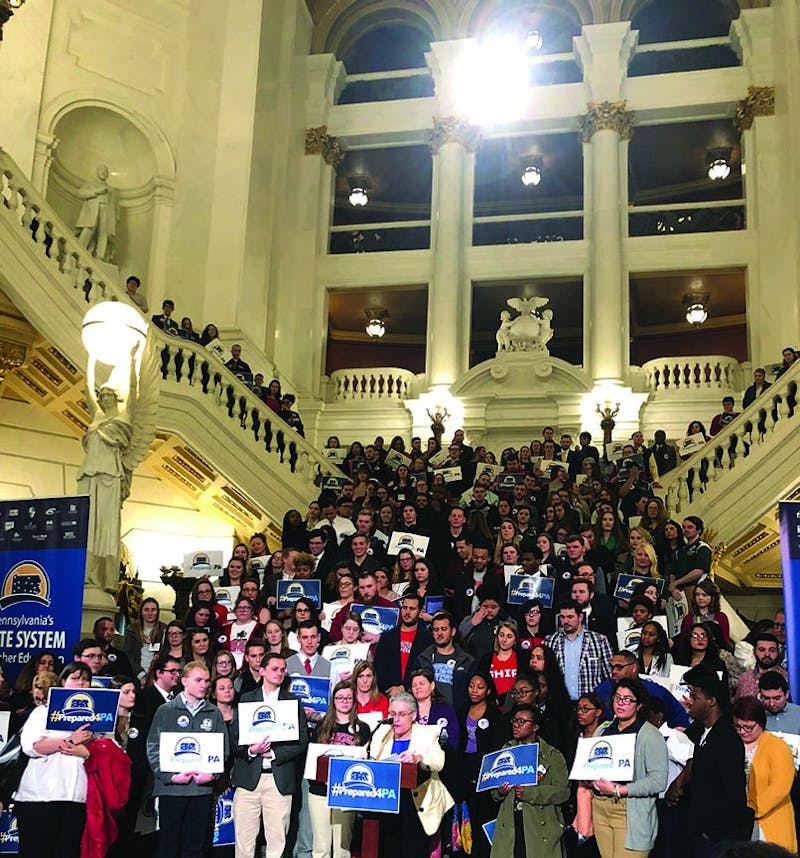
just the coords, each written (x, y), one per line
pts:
(647, 547)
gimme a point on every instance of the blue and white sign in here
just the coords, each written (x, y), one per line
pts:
(412, 541)
(71, 708)
(9, 834)
(433, 604)
(192, 752)
(333, 484)
(278, 720)
(522, 588)
(364, 785)
(609, 757)
(376, 620)
(517, 766)
(42, 570)
(224, 833)
(289, 592)
(626, 584)
(311, 691)
(101, 681)
(488, 830)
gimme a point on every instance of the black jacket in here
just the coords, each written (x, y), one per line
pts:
(387, 656)
(717, 792)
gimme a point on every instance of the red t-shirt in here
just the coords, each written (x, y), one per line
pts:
(503, 673)
(380, 705)
(406, 642)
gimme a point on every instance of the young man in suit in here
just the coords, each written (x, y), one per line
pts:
(167, 672)
(265, 774)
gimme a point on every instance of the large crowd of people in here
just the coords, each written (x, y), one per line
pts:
(624, 633)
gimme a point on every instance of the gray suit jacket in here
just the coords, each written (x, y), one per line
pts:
(247, 770)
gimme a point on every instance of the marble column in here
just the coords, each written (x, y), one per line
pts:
(453, 144)
(605, 129)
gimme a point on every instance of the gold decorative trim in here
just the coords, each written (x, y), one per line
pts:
(760, 101)
(319, 142)
(606, 116)
(454, 129)
(12, 356)
(71, 368)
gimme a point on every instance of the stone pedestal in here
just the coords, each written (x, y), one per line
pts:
(96, 603)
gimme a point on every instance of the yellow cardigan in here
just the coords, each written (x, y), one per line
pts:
(771, 779)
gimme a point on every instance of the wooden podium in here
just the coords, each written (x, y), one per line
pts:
(371, 825)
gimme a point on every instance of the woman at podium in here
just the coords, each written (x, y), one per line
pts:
(408, 834)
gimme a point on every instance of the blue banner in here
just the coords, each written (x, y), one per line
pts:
(311, 691)
(488, 830)
(224, 834)
(9, 834)
(101, 681)
(42, 570)
(290, 591)
(626, 584)
(434, 604)
(517, 766)
(71, 708)
(789, 517)
(523, 588)
(376, 620)
(364, 785)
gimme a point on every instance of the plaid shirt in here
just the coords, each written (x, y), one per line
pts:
(595, 663)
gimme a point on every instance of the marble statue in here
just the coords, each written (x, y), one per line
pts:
(96, 226)
(531, 331)
(123, 425)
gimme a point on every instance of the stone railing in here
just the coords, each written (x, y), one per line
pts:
(703, 373)
(52, 279)
(56, 242)
(766, 430)
(375, 383)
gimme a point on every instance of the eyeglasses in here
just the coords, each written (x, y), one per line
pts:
(174, 632)
(340, 699)
(401, 714)
(172, 670)
(584, 709)
(618, 667)
(698, 637)
(534, 611)
(519, 692)
(745, 728)
(625, 701)
(520, 721)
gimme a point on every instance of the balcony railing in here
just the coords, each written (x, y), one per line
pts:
(683, 56)
(774, 411)
(386, 383)
(531, 228)
(375, 237)
(387, 86)
(682, 374)
(686, 218)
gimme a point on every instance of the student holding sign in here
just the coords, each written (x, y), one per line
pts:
(51, 797)
(624, 814)
(186, 797)
(529, 821)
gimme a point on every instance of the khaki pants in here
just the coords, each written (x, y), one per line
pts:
(248, 809)
(610, 824)
(327, 825)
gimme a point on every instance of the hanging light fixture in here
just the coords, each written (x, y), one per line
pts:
(532, 171)
(375, 325)
(718, 162)
(696, 307)
(533, 41)
(359, 185)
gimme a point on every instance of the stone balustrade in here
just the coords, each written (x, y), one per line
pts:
(703, 373)
(762, 430)
(374, 383)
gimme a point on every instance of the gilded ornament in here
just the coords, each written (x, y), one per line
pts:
(606, 116)
(453, 129)
(760, 101)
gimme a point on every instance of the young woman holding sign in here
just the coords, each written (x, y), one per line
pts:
(340, 726)
(50, 802)
(624, 814)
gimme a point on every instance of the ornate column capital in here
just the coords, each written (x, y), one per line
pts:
(454, 129)
(319, 142)
(606, 116)
(760, 101)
